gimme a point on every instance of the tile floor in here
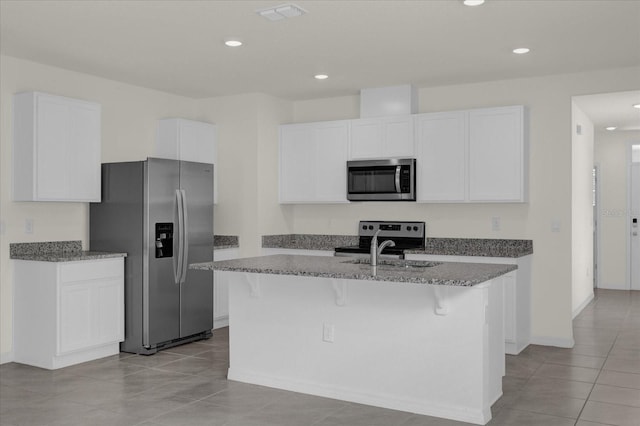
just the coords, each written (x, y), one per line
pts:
(596, 382)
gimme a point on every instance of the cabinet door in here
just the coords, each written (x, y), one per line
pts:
(496, 157)
(75, 317)
(197, 142)
(441, 157)
(398, 137)
(297, 163)
(108, 302)
(67, 149)
(313, 161)
(366, 139)
(331, 146)
(188, 140)
(384, 137)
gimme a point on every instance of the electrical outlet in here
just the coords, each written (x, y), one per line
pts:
(328, 333)
(495, 223)
(28, 226)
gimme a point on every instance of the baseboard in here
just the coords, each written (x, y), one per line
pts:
(6, 357)
(583, 305)
(459, 413)
(220, 322)
(613, 286)
(559, 342)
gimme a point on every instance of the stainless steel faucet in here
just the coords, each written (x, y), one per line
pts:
(375, 250)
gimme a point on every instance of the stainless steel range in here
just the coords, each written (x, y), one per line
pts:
(405, 235)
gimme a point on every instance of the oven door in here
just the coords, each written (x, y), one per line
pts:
(381, 180)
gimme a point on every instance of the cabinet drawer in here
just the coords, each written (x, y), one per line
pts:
(91, 270)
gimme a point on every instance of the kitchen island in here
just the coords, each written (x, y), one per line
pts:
(421, 337)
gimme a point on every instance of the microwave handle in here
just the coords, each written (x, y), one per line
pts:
(398, 168)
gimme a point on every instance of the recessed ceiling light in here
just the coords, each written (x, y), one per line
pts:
(521, 50)
(611, 128)
(321, 76)
(232, 42)
(636, 106)
(473, 2)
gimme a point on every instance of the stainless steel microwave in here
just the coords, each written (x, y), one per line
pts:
(382, 180)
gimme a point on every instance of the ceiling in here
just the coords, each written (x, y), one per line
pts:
(177, 46)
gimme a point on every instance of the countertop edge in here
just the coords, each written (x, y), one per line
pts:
(68, 257)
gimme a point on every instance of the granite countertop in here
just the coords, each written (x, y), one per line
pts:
(56, 251)
(225, 241)
(485, 247)
(444, 273)
(308, 241)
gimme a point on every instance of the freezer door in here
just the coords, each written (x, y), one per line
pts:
(161, 292)
(196, 310)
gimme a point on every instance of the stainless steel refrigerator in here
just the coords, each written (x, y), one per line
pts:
(160, 212)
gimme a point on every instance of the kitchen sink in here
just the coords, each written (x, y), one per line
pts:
(396, 263)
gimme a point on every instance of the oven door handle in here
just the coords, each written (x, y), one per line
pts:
(398, 168)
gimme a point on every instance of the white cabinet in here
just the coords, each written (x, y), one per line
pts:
(384, 137)
(497, 166)
(68, 312)
(516, 294)
(187, 140)
(56, 148)
(221, 289)
(313, 160)
(472, 156)
(441, 156)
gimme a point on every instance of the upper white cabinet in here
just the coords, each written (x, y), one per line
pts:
(497, 160)
(188, 140)
(472, 156)
(56, 148)
(441, 156)
(384, 137)
(313, 159)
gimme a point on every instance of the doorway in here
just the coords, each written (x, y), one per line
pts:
(633, 220)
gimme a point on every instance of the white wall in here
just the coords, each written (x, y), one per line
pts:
(581, 209)
(548, 100)
(611, 154)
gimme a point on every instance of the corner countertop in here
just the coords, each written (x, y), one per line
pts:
(57, 251)
(444, 273)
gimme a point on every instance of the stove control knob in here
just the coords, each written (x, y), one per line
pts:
(415, 228)
(408, 228)
(371, 227)
(364, 226)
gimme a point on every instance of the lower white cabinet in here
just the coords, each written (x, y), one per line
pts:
(68, 312)
(221, 289)
(517, 295)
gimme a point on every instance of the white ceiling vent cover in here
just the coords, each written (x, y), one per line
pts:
(281, 12)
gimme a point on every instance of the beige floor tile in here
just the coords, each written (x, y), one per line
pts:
(616, 395)
(611, 414)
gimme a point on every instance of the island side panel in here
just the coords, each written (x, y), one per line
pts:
(390, 348)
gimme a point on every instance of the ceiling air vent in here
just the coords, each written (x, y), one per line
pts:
(281, 12)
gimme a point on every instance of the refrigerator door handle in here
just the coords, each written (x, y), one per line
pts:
(178, 270)
(185, 238)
